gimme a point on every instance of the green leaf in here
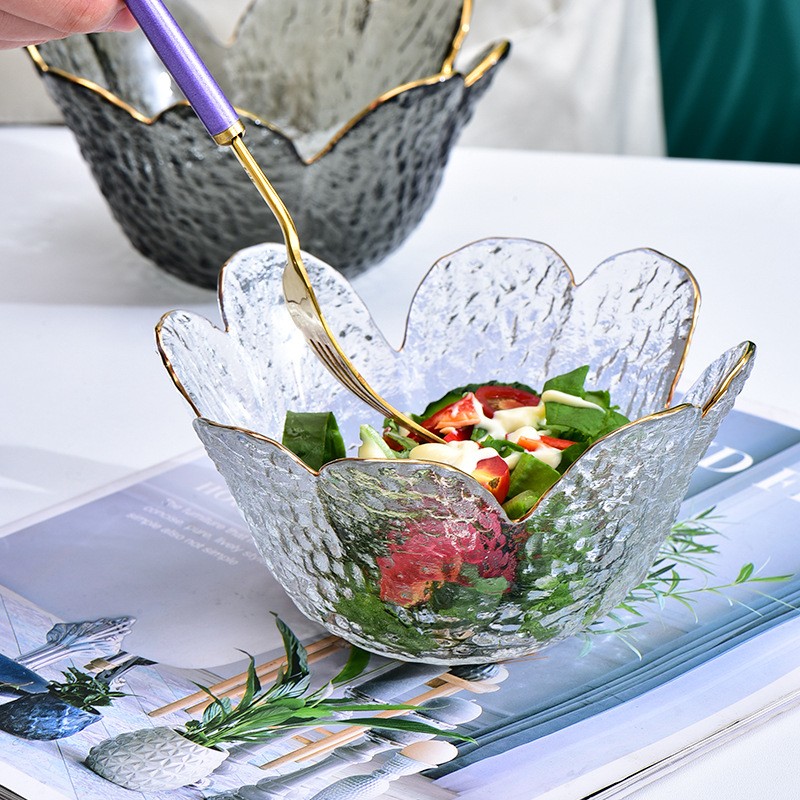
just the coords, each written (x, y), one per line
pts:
(252, 684)
(224, 702)
(404, 442)
(292, 703)
(356, 664)
(504, 447)
(313, 437)
(599, 396)
(574, 422)
(744, 573)
(569, 383)
(531, 475)
(400, 724)
(335, 705)
(612, 421)
(293, 680)
(83, 690)
(521, 504)
(210, 713)
(571, 455)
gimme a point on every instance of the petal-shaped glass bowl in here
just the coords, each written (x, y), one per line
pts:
(352, 107)
(361, 545)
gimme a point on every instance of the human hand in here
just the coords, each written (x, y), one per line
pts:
(24, 22)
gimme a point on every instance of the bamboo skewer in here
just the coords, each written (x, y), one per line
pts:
(476, 687)
(443, 687)
(329, 644)
(351, 733)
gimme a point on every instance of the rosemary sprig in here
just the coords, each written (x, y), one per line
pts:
(687, 548)
(264, 712)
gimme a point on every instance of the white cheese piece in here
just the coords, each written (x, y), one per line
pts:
(370, 450)
(509, 419)
(462, 455)
(549, 455)
(524, 416)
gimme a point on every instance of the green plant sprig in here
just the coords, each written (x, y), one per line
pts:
(263, 713)
(83, 691)
(687, 546)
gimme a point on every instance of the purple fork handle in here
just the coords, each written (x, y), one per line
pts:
(186, 67)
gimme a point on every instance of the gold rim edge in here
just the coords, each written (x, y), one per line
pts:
(725, 384)
(492, 58)
(687, 272)
(162, 350)
(697, 298)
(165, 360)
(718, 394)
(458, 39)
(478, 489)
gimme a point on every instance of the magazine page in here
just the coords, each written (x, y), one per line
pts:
(728, 645)
(619, 750)
(172, 553)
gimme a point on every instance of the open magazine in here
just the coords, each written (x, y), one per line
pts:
(170, 554)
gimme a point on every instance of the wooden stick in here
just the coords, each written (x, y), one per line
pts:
(237, 691)
(353, 732)
(444, 686)
(477, 687)
(238, 680)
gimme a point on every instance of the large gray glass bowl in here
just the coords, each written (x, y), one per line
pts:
(342, 540)
(351, 107)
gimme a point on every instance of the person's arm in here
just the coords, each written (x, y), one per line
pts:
(24, 22)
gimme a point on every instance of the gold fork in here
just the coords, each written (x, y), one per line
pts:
(225, 127)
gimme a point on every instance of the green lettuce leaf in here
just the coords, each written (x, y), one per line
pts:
(531, 475)
(313, 437)
(570, 382)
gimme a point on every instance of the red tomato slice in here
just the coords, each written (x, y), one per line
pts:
(393, 445)
(559, 444)
(462, 413)
(550, 441)
(498, 398)
(494, 474)
(459, 434)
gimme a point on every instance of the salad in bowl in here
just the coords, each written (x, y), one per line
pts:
(548, 503)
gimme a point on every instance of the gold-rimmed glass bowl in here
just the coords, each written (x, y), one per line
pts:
(352, 107)
(363, 546)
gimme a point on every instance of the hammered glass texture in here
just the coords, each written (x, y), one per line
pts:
(520, 317)
(187, 204)
(593, 535)
(391, 43)
(153, 760)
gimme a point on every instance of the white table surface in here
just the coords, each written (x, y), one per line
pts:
(85, 399)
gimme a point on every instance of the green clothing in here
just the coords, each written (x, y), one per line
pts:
(731, 78)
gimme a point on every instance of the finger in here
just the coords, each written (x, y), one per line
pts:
(123, 21)
(16, 31)
(72, 16)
